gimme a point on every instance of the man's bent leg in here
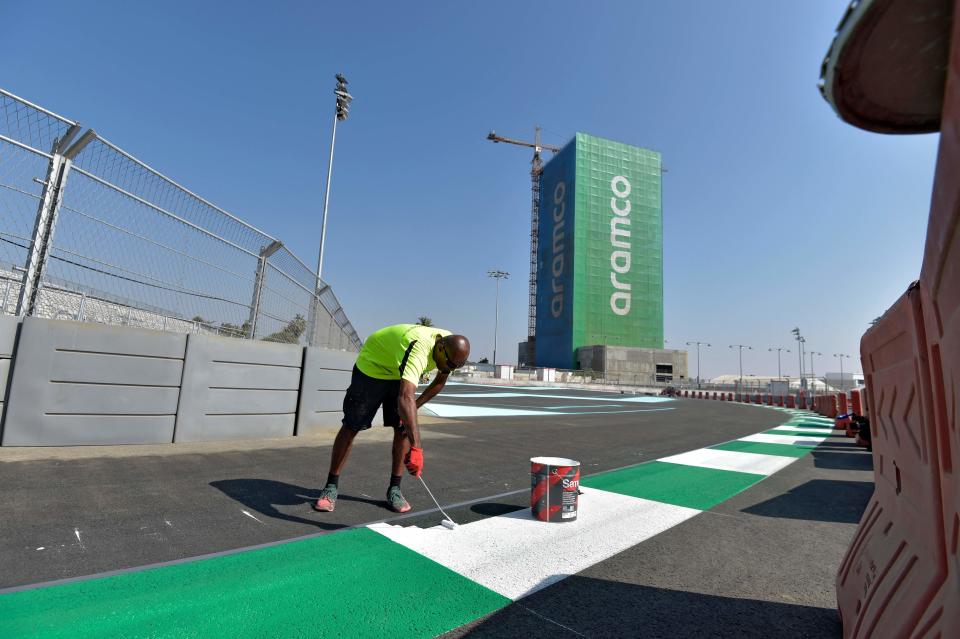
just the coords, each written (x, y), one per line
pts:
(341, 449)
(338, 459)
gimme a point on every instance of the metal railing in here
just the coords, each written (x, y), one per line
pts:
(88, 232)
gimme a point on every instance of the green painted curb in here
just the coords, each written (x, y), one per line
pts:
(354, 583)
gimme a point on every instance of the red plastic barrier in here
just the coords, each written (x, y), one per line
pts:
(846, 422)
(940, 287)
(791, 402)
(769, 399)
(729, 397)
(757, 399)
(723, 397)
(700, 395)
(855, 404)
(896, 563)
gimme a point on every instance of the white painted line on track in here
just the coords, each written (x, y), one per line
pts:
(781, 439)
(642, 399)
(806, 429)
(731, 460)
(516, 555)
(460, 410)
(456, 410)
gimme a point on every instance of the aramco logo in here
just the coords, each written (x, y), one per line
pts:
(556, 267)
(620, 242)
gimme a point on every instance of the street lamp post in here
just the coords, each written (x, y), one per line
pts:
(740, 347)
(497, 275)
(812, 376)
(840, 356)
(699, 344)
(778, 349)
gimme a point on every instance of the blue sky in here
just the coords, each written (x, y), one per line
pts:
(776, 213)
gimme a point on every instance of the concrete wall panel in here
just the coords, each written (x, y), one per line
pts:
(78, 383)
(235, 389)
(117, 369)
(326, 376)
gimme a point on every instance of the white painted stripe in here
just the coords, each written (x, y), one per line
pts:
(807, 429)
(781, 439)
(731, 460)
(642, 399)
(516, 555)
(438, 409)
(455, 410)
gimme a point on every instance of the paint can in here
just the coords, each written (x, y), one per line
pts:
(554, 488)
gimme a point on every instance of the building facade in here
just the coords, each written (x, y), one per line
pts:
(600, 250)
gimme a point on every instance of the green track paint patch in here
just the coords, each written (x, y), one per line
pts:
(761, 448)
(676, 484)
(354, 583)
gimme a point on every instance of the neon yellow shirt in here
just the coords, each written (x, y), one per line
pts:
(406, 347)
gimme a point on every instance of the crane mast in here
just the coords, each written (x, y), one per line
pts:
(536, 168)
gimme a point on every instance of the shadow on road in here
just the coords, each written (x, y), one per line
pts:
(264, 495)
(588, 607)
(842, 460)
(819, 500)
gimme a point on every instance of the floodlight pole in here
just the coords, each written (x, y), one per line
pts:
(340, 113)
(497, 275)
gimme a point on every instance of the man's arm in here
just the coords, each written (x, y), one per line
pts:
(407, 407)
(431, 391)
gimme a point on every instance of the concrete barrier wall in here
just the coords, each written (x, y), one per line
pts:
(326, 375)
(79, 383)
(234, 389)
(70, 383)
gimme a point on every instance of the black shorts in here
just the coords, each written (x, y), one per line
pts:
(367, 394)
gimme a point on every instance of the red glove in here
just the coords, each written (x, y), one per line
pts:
(414, 461)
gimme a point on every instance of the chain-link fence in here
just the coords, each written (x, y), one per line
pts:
(88, 232)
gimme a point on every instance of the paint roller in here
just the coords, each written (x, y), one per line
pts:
(447, 523)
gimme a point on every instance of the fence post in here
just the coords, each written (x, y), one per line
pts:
(83, 301)
(265, 252)
(6, 297)
(50, 200)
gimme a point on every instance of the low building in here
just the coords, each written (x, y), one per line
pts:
(642, 365)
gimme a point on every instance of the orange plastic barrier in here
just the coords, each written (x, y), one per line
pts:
(940, 287)
(855, 404)
(896, 564)
(830, 402)
(846, 422)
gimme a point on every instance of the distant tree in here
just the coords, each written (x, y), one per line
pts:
(232, 330)
(423, 320)
(197, 318)
(483, 360)
(289, 334)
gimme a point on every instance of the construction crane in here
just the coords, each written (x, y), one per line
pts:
(536, 168)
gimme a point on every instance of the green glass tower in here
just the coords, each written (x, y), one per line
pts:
(600, 250)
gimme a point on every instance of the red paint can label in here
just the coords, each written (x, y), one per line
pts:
(554, 488)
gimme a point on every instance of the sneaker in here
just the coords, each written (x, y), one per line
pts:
(328, 500)
(396, 501)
